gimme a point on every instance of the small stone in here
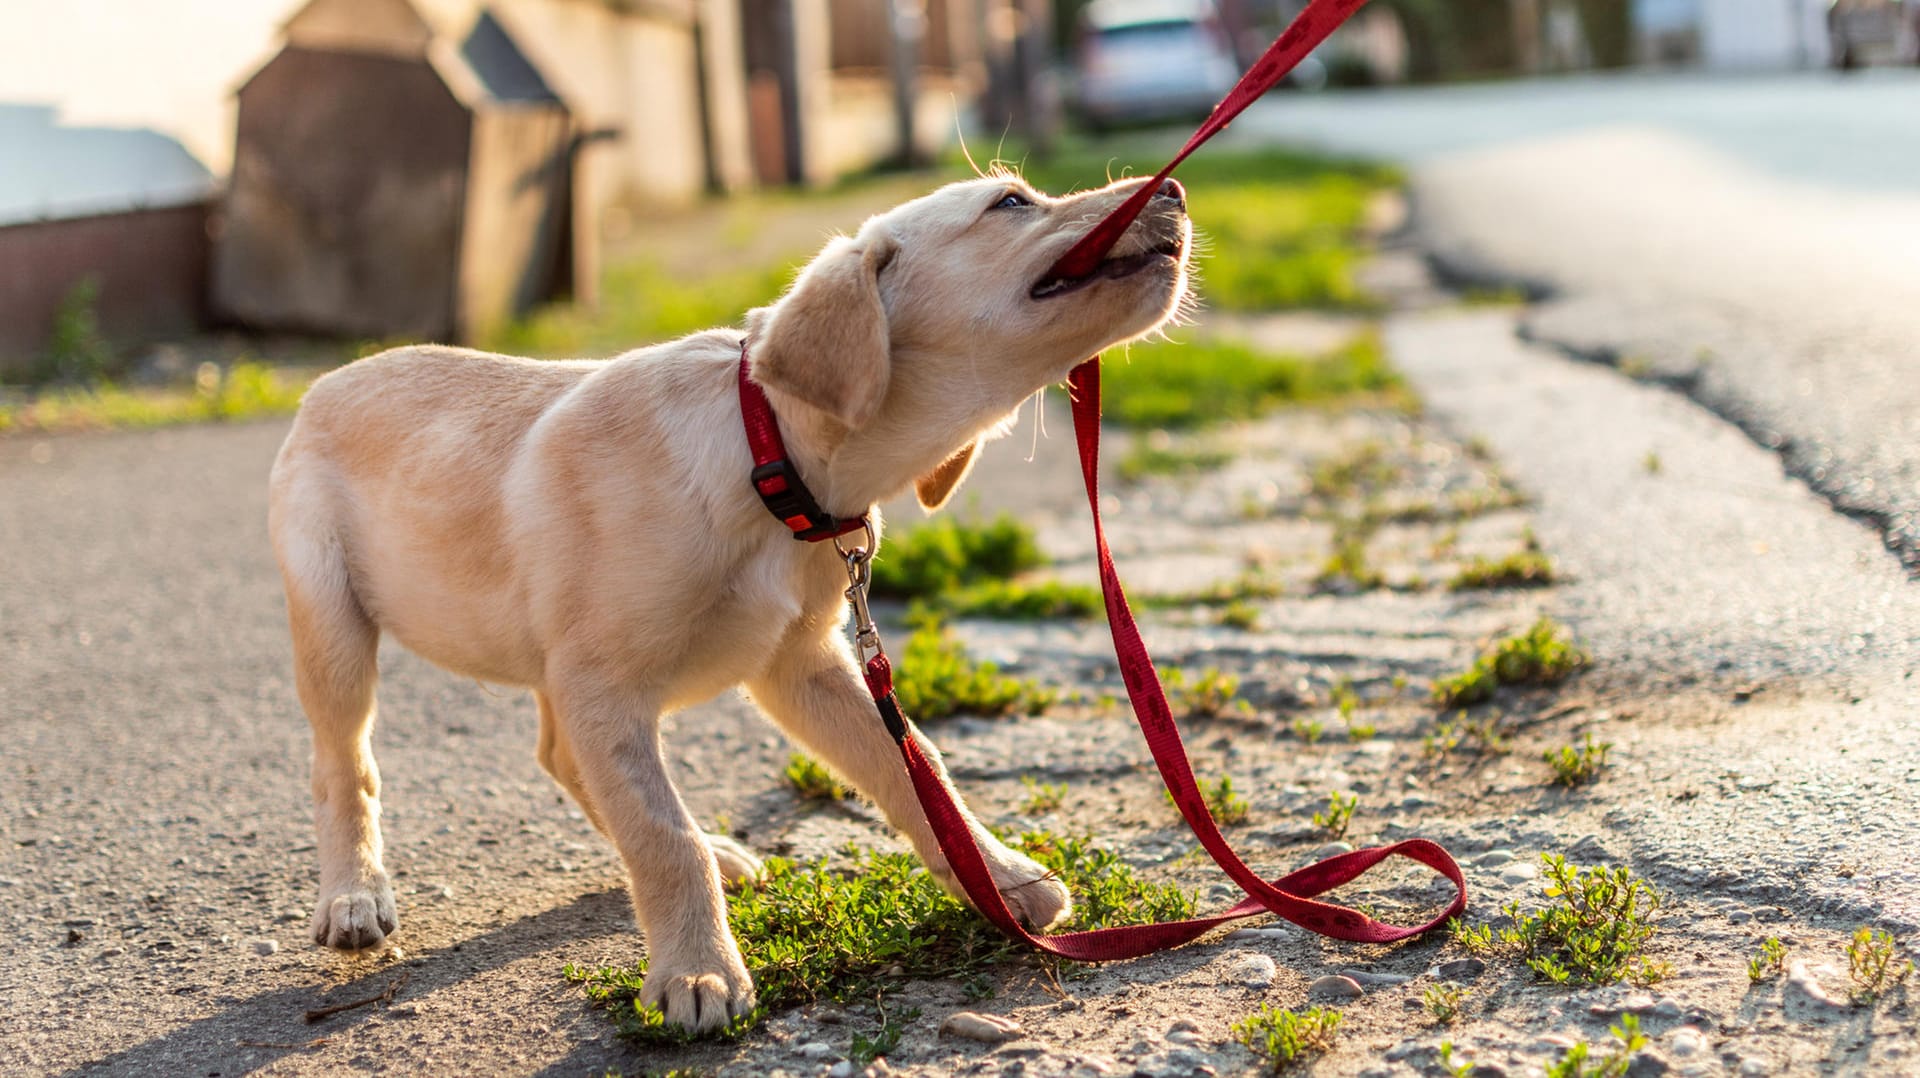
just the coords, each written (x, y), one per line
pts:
(1686, 1042)
(1519, 872)
(1369, 980)
(842, 1069)
(1668, 1008)
(1803, 986)
(1183, 1025)
(1590, 850)
(1755, 1066)
(264, 947)
(74, 935)
(1739, 917)
(1252, 970)
(1185, 1036)
(985, 1028)
(1550, 1044)
(1460, 969)
(1495, 858)
(1333, 986)
(1332, 849)
(1487, 1069)
(1648, 1063)
(404, 1010)
(1264, 934)
(816, 1050)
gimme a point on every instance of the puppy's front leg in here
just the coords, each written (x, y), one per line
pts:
(695, 974)
(815, 692)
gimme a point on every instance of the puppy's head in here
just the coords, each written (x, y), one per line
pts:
(936, 319)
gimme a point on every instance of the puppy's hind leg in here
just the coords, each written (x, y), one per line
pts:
(335, 668)
(737, 863)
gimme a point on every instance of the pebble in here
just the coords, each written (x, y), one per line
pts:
(1364, 978)
(842, 1069)
(1488, 1069)
(264, 947)
(1754, 1066)
(1518, 872)
(985, 1028)
(1175, 1063)
(1332, 849)
(1667, 1008)
(1739, 917)
(1258, 935)
(1460, 969)
(1648, 1063)
(1551, 1044)
(1333, 986)
(1804, 986)
(1252, 970)
(1686, 1042)
(1495, 858)
(816, 1050)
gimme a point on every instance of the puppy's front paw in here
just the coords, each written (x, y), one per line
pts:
(1035, 896)
(355, 916)
(737, 863)
(699, 999)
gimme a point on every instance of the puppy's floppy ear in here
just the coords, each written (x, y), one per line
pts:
(826, 341)
(934, 488)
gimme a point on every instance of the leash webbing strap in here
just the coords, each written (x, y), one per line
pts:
(1292, 896)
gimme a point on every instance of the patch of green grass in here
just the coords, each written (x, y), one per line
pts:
(1593, 930)
(810, 933)
(1874, 964)
(1175, 385)
(1009, 600)
(865, 1049)
(1521, 569)
(812, 781)
(1283, 1037)
(1577, 765)
(1347, 568)
(1769, 961)
(935, 677)
(642, 303)
(243, 391)
(1356, 473)
(1461, 1069)
(1584, 1061)
(1238, 614)
(1443, 1001)
(1650, 463)
(1042, 796)
(1153, 455)
(1205, 694)
(1227, 808)
(1338, 814)
(1308, 730)
(946, 554)
(1251, 584)
(1543, 655)
(76, 351)
(1480, 737)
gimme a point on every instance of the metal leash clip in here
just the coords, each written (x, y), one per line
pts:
(859, 580)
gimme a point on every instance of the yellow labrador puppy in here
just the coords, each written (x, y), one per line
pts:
(587, 529)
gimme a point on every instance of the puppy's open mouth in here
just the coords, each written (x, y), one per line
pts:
(1166, 253)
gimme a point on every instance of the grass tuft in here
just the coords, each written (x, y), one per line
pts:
(1184, 385)
(1226, 807)
(1338, 814)
(1874, 964)
(1206, 694)
(1593, 930)
(1583, 1061)
(812, 781)
(1769, 961)
(1284, 1037)
(946, 554)
(1443, 1001)
(935, 677)
(1008, 600)
(1521, 569)
(242, 391)
(1042, 796)
(1577, 765)
(810, 933)
(1543, 655)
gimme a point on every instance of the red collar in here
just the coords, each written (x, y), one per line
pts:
(775, 479)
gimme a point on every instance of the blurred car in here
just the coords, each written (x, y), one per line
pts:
(1144, 60)
(1873, 32)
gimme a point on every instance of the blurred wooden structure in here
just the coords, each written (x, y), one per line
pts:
(117, 214)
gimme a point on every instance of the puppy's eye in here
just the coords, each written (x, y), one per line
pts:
(1013, 201)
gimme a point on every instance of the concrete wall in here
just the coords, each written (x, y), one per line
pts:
(150, 267)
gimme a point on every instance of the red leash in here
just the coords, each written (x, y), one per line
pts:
(1292, 896)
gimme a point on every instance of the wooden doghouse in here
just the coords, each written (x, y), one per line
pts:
(394, 178)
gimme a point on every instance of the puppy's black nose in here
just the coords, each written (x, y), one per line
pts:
(1170, 188)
